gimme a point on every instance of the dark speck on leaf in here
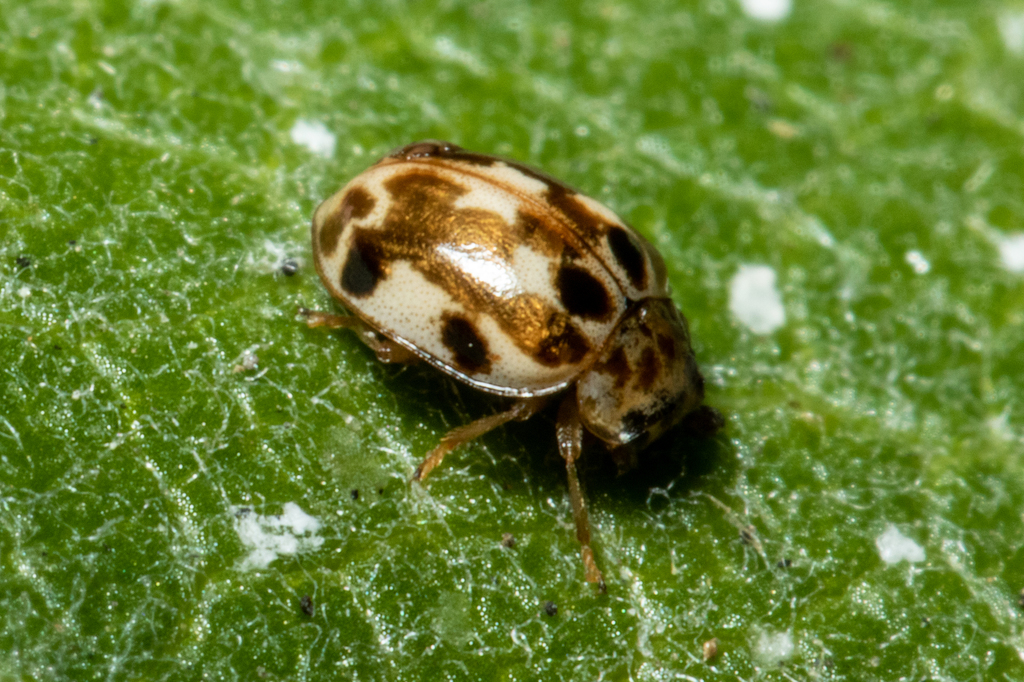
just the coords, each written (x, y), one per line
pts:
(784, 563)
(23, 261)
(355, 493)
(508, 540)
(289, 267)
(307, 605)
(550, 608)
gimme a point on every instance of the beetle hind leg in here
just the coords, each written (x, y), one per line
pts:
(386, 350)
(520, 410)
(569, 429)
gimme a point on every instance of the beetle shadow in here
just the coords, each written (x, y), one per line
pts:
(682, 461)
(679, 463)
(685, 459)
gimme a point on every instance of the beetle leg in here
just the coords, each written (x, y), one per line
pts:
(569, 431)
(386, 349)
(520, 410)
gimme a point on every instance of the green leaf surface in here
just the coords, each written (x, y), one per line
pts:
(161, 405)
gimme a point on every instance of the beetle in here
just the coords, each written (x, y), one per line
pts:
(508, 280)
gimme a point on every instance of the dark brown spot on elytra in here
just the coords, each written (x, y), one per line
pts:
(364, 266)
(533, 231)
(649, 369)
(563, 197)
(628, 255)
(582, 294)
(589, 227)
(357, 203)
(460, 336)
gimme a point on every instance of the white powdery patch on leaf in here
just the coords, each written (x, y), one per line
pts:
(446, 49)
(917, 261)
(314, 136)
(268, 537)
(998, 426)
(1011, 252)
(767, 10)
(894, 547)
(755, 301)
(1011, 28)
(286, 66)
(773, 648)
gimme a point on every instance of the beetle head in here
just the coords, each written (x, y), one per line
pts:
(645, 381)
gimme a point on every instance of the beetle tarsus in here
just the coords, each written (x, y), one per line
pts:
(590, 569)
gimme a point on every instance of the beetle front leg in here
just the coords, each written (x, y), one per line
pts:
(386, 349)
(520, 410)
(569, 430)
